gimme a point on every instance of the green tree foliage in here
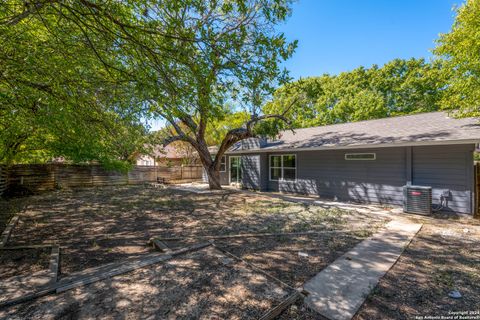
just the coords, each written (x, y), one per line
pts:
(397, 88)
(460, 50)
(192, 62)
(57, 98)
(213, 58)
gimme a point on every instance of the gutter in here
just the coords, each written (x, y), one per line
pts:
(362, 146)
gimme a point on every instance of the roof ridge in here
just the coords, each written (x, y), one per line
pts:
(369, 120)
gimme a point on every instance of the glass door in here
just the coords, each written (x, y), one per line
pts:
(235, 170)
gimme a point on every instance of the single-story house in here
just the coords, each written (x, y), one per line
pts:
(175, 154)
(367, 161)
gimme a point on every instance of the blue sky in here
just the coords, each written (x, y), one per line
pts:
(340, 35)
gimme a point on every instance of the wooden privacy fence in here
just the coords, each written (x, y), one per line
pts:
(3, 179)
(42, 177)
(181, 173)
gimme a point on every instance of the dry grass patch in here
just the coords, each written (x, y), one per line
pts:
(101, 225)
(441, 258)
(197, 285)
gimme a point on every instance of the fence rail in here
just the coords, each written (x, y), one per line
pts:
(42, 177)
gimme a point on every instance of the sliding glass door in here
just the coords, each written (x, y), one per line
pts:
(235, 170)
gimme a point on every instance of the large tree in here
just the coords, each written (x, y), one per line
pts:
(219, 57)
(460, 49)
(57, 98)
(190, 62)
(399, 87)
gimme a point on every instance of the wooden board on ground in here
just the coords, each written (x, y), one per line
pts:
(161, 246)
(277, 310)
(84, 278)
(8, 230)
(254, 267)
(53, 264)
(253, 235)
(26, 247)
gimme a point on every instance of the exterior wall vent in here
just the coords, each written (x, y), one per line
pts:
(417, 199)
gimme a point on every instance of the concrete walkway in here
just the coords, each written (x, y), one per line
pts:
(338, 291)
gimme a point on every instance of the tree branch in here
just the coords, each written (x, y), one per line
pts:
(172, 139)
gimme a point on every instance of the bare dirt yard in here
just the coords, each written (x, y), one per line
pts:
(22, 262)
(98, 226)
(444, 256)
(102, 225)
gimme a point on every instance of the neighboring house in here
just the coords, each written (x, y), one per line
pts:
(146, 160)
(366, 161)
(175, 154)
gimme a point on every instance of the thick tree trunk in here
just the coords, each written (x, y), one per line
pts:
(212, 170)
(213, 178)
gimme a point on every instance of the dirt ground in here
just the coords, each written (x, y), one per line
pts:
(23, 262)
(97, 226)
(199, 285)
(444, 256)
(280, 256)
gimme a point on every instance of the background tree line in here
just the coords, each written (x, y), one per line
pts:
(78, 78)
(450, 81)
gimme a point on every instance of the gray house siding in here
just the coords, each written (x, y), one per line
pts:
(251, 171)
(254, 172)
(327, 174)
(223, 174)
(446, 168)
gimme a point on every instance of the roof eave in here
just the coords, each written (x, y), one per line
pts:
(361, 146)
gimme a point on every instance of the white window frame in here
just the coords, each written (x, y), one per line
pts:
(224, 161)
(281, 166)
(360, 159)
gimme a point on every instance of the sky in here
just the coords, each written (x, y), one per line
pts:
(340, 35)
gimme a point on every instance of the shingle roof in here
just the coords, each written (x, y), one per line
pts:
(425, 128)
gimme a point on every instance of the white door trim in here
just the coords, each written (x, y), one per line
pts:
(230, 168)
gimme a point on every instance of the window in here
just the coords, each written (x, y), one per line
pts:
(223, 164)
(360, 156)
(283, 167)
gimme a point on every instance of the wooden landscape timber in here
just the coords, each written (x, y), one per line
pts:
(160, 245)
(254, 267)
(54, 263)
(8, 230)
(277, 310)
(102, 272)
(26, 247)
(253, 235)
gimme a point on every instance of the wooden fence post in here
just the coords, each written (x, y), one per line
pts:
(3, 179)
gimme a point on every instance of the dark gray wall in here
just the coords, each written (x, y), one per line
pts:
(326, 173)
(446, 168)
(223, 175)
(253, 172)
(329, 175)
